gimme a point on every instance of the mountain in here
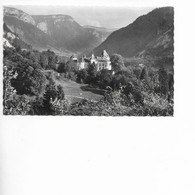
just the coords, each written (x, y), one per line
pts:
(100, 32)
(148, 36)
(60, 33)
(23, 25)
(67, 32)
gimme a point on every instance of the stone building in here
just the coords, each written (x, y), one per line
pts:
(101, 62)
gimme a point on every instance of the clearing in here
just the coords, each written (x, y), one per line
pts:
(75, 91)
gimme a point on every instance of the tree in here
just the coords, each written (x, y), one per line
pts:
(121, 78)
(144, 73)
(171, 87)
(43, 60)
(92, 72)
(52, 59)
(61, 67)
(51, 91)
(145, 78)
(82, 76)
(30, 80)
(31, 56)
(47, 104)
(18, 49)
(171, 82)
(104, 78)
(60, 92)
(163, 80)
(13, 104)
(70, 69)
(137, 71)
(50, 95)
(117, 62)
(133, 88)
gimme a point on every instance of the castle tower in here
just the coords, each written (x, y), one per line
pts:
(92, 56)
(93, 59)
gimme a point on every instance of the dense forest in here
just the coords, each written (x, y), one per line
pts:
(130, 89)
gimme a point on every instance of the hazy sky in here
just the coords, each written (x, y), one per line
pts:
(110, 17)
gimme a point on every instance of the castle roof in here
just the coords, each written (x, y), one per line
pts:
(105, 54)
(101, 59)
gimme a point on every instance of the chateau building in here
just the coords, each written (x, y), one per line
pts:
(101, 62)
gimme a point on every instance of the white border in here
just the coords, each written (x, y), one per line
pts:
(115, 155)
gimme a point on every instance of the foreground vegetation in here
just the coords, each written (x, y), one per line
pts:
(127, 90)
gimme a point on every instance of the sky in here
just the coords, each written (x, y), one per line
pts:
(100, 16)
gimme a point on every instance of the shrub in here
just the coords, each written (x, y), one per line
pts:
(163, 81)
(92, 72)
(60, 106)
(43, 60)
(60, 93)
(121, 78)
(13, 104)
(82, 76)
(133, 88)
(117, 62)
(104, 78)
(29, 80)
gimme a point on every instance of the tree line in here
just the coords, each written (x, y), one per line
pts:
(129, 90)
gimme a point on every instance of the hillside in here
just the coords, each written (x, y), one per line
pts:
(13, 39)
(60, 33)
(149, 35)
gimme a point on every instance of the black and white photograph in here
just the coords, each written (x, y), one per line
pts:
(97, 97)
(88, 60)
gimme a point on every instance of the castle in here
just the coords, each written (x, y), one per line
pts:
(102, 62)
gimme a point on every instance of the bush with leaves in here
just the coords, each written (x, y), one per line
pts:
(137, 71)
(60, 106)
(104, 78)
(92, 73)
(52, 93)
(43, 60)
(134, 88)
(70, 66)
(30, 80)
(117, 62)
(82, 76)
(113, 104)
(13, 104)
(154, 105)
(121, 78)
(163, 81)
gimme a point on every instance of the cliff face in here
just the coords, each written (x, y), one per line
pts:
(20, 15)
(12, 39)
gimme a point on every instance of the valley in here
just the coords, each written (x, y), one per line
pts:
(55, 66)
(59, 33)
